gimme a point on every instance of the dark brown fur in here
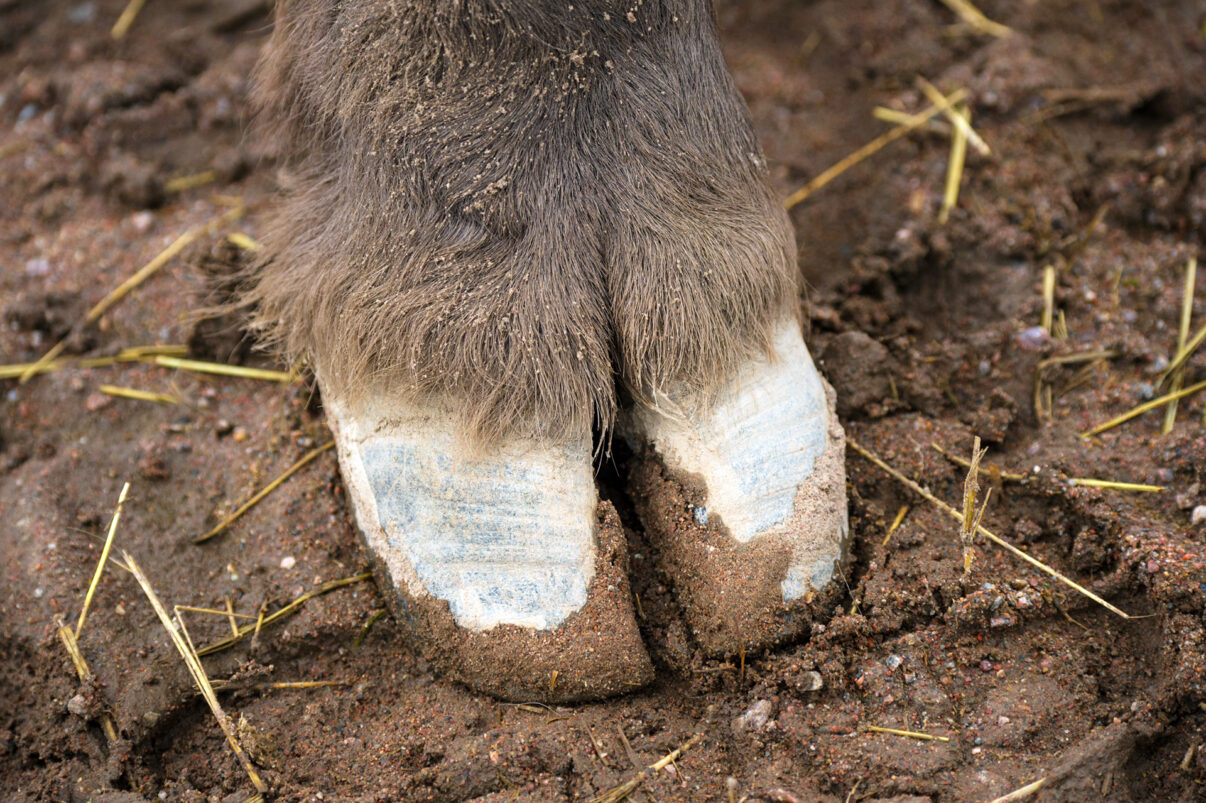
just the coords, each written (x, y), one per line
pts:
(513, 203)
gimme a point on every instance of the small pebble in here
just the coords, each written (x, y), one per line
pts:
(288, 562)
(1198, 516)
(37, 267)
(97, 401)
(78, 705)
(755, 717)
(1033, 338)
(701, 515)
(986, 666)
(142, 221)
(239, 434)
(892, 661)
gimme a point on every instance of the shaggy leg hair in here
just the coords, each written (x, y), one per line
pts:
(513, 203)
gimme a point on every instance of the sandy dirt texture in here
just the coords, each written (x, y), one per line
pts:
(1095, 113)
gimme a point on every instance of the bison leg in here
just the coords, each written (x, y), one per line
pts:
(492, 209)
(760, 466)
(703, 292)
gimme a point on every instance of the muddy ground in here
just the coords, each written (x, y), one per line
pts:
(1095, 114)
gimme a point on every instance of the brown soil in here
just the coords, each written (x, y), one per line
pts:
(921, 328)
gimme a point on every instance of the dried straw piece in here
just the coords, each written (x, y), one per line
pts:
(960, 119)
(896, 522)
(193, 662)
(991, 536)
(954, 168)
(618, 793)
(873, 147)
(1083, 481)
(226, 685)
(991, 471)
(976, 19)
(1048, 297)
(925, 737)
(133, 354)
(182, 183)
(104, 557)
(242, 240)
(1042, 392)
(85, 674)
(1143, 408)
(1177, 377)
(140, 276)
(267, 489)
(136, 353)
(1183, 354)
(248, 630)
(138, 395)
(1079, 357)
(122, 26)
(898, 117)
(970, 521)
(372, 620)
(1118, 486)
(1021, 794)
(19, 369)
(228, 614)
(223, 369)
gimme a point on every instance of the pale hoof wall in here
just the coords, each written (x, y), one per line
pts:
(595, 653)
(510, 574)
(744, 499)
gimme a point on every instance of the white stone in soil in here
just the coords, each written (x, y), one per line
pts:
(504, 537)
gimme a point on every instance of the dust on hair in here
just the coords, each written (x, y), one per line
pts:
(515, 205)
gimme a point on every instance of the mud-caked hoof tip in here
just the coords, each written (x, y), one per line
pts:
(507, 570)
(743, 495)
(595, 653)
